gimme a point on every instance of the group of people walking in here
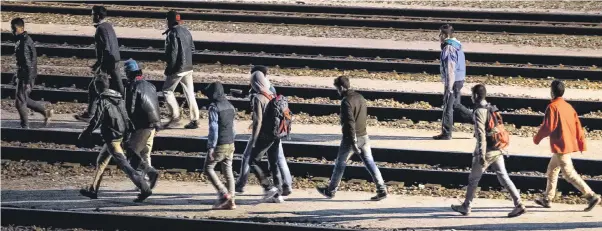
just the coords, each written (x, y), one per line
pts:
(128, 117)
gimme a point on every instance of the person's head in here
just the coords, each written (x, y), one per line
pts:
(101, 82)
(446, 31)
(98, 13)
(214, 91)
(479, 92)
(261, 68)
(172, 18)
(131, 69)
(557, 89)
(342, 84)
(17, 25)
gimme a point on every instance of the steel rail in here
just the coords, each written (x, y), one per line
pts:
(112, 221)
(295, 149)
(317, 62)
(594, 18)
(381, 113)
(482, 57)
(325, 21)
(434, 99)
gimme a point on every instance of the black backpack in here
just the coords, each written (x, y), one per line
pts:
(277, 118)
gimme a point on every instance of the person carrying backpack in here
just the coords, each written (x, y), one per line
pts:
(354, 113)
(112, 119)
(492, 139)
(271, 122)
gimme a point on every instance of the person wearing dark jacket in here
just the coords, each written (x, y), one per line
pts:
(220, 144)
(142, 104)
(354, 114)
(112, 119)
(107, 58)
(178, 55)
(27, 71)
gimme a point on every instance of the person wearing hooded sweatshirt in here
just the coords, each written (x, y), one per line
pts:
(178, 55)
(27, 71)
(261, 142)
(142, 104)
(112, 119)
(220, 144)
(453, 74)
(287, 179)
(107, 58)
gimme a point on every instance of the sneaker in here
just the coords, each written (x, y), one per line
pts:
(325, 192)
(25, 126)
(143, 195)
(461, 209)
(592, 202)
(442, 137)
(517, 211)
(88, 193)
(222, 202)
(239, 190)
(226, 205)
(379, 196)
(85, 117)
(173, 123)
(47, 116)
(286, 191)
(153, 176)
(543, 202)
(192, 125)
(270, 193)
(275, 199)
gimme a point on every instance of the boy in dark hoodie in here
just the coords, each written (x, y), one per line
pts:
(220, 144)
(112, 119)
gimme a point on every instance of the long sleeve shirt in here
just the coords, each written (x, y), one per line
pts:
(449, 60)
(107, 46)
(354, 113)
(480, 129)
(561, 123)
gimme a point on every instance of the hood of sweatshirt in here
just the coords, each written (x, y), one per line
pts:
(214, 91)
(453, 42)
(112, 95)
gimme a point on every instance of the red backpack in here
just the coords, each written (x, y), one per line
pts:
(277, 118)
(497, 136)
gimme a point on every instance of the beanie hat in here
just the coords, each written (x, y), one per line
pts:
(130, 65)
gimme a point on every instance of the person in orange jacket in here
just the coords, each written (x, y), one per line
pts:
(561, 123)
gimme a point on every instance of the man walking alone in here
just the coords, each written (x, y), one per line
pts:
(453, 73)
(178, 55)
(561, 123)
(354, 114)
(27, 71)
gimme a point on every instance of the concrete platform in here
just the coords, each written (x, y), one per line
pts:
(126, 32)
(382, 137)
(348, 209)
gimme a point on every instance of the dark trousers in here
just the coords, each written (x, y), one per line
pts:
(263, 146)
(112, 69)
(451, 102)
(23, 102)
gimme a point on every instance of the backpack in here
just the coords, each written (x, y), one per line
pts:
(497, 136)
(277, 118)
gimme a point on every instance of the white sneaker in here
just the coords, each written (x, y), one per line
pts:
(279, 199)
(270, 193)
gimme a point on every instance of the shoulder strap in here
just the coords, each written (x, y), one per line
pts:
(270, 97)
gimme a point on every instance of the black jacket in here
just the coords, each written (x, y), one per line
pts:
(179, 47)
(142, 104)
(354, 114)
(107, 46)
(110, 116)
(27, 59)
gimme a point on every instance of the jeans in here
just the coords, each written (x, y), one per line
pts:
(285, 174)
(345, 151)
(113, 149)
(169, 86)
(112, 69)
(22, 102)
(476, 173)
(451, 102)
(222, 154)
(564, 163)
(139, 147)
(263, 146)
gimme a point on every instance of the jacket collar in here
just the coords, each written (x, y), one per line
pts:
(557, 99)
(21, 36)
(98, 24)
(170, 28)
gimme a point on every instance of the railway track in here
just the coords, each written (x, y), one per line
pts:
(481, 57)
(458, 160)
(452, 179)
(324, 62)
(98, 221)
(381, 113)
(434, 99)
(375, 21)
